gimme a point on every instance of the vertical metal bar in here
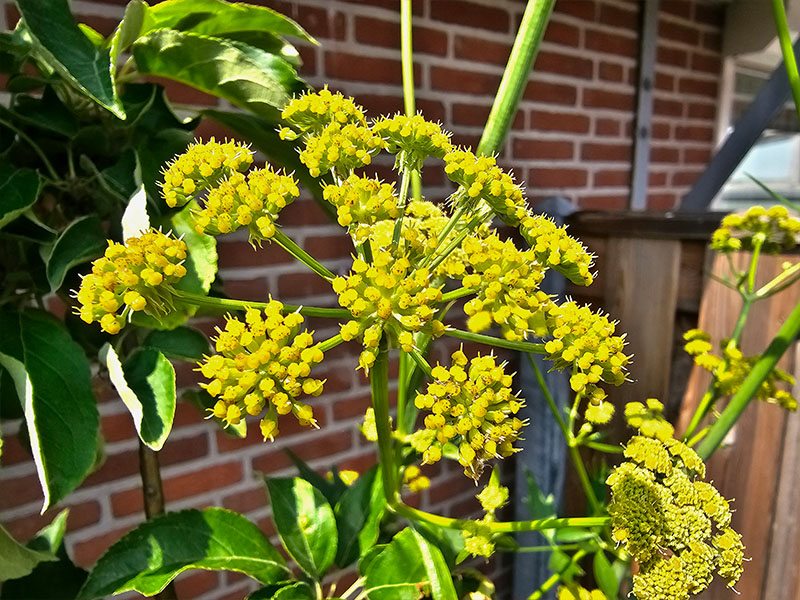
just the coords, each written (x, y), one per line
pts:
(644, 109)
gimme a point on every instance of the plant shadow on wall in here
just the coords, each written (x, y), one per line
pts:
(414, 261)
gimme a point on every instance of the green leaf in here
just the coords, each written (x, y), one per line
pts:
(408, 565)
(604, 575)
(135, 220)
(268, 591)
(215, 18)
(201, 262)
(297, 591)
(370, 555)
(28, 227)
(245, 76)
(69, 51)
(305, 523)
(560, 562)
(19, 189)
(353, 512)
(332, 490)
(52, 378)
(183, 343)
(572, 535)
(153, 554)
(47, 112)
(146, 384)
(264, 137)
(126, 32)
(539, 505)
(17, 560)
(83, 240)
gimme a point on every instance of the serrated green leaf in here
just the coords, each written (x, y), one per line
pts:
(604, 575)
(52, 378)
(246, 77)
(216, 18)
(146, 385)
(184, 343)
(83, 240)
(353, 512)
(305, 523)
(153, 554)
(19, 189)
(408, 565)
(69, 52)
(17, 560)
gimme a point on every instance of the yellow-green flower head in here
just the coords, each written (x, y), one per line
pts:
(665, 580)
(415, 480)
(478, 538)
(340, 148)
(493, 497)
(312, 112)
(263, 364)
(584, 342)
(773, 228)
(576, 592)
(648, 419)
(556, 249)
(413, 139)
(506, 281)
(368, 427)
(732, 368)
(201, 167)
(253, 202)
(731, 554)
(135, 276)
(598, 411)
(389, 295)
(361, 202)
(481, 178)
(471, 406)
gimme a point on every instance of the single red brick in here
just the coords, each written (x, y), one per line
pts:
(607, 127)
(695, 133)
(706, 63)
(656, 179)
(467, 82)
(304, 213)
(308, 58)
(696, 155)
(670, 55)
(599, 202)
(355, 67)
(448, 487)
(329, 247)
(684, 178)
(562, 33)
(608, 71)
(540, 148)
(678, 32)
(460, 12)
(619, 16)
(178, 450)
(701, 110)
(665, 82)
(661, 130)
(582, 9)
(301, 285)
(564, 64)
(611, 178)
(556, 177)
(115, 428)
(662, 201)
(559, 121)
(670, 108)
(605, 152)
(349, 408)
(481, 50)
(192, 584)
(246, 500)
(254, 289)
(611, 43)
(664, 154)
(551, 93)
(602, 98)
(233, 254)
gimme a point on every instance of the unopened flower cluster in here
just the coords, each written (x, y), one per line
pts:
(263, 364)
(137, 276)
(478, 537)
(772, 229)
(674, 524)
(732, 368)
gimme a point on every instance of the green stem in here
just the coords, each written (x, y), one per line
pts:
(406, 54)
(304, 257)
(468, 336)
(34, 146)
(460, 293)
(760, 371)
(455, 242)
(780, 282)
(224, 304)
(520, 61)
(556, 577)
(379, 382)
(401, 206)
(331, 343)
(421, 362)
(779, 13)
(549, 397)
(403, 376)
(607, 448)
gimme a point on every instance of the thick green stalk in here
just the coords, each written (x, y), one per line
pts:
(789, 61)
(304, 257)
(787, 334)
(224, 304)
(556, 577)
(407, 53)
(523, 53)
(468, 336)
(379, 382)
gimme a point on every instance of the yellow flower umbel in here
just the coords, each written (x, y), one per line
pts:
(135, 276)
(732, 368)
(361, 202)
(674, 524)
(262, 364)
(506, 281)
(253, 202)
(557, 250)
(386, 295)
(776, 229)
(201, 167)
(311, 113)
(576, 592)
(340, 148)
(472, 407)
(413, 139)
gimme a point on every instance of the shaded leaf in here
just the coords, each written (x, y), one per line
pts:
(28, 227)
(245, 76)
(146, 385)
(83, 240)
(297, 591)
(17, 560)
(409, 565)
(153, 554)
(19, 189)
(47, 112)
(183, 343)
(354, 511)
(69, 51)
(305, 523)
(604, 575)
(60, 411)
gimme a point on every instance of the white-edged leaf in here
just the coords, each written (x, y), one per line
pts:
(135, 220)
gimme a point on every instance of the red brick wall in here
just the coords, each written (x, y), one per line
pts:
(572, 137)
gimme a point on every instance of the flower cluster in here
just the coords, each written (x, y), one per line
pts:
(201, 167)
(135, 276)
(472, 407)
(557, 250)
(311, 113)
(674, 524)
(648, 419)
(773, 229)
(506, 281)
(413, 139)
(478, 536)
(340, 148)
(253, 202)
(732, 368)
(414, 479)
(386, 295)
(361, 202)
(576, 592)
(263, 363)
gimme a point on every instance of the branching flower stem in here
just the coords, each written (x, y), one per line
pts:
(304, 257)
(225, 304)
